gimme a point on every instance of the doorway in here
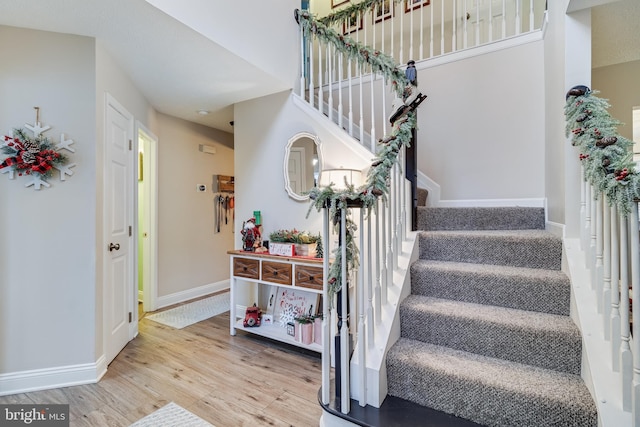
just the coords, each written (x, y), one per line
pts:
(147, 208)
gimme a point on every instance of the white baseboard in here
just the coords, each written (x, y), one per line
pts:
(48, 378)
(189, 294)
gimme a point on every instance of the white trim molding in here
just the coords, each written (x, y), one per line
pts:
(48, 378)
(178, 297)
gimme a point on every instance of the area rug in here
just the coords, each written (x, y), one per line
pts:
(193, 312)
(171, 415)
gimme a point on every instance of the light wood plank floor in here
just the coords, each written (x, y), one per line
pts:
(229, 381)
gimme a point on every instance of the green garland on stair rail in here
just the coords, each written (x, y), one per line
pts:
(378, 175)
(364, 55)
(606, 157)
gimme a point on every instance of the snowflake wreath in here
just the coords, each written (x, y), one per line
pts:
(30, 156)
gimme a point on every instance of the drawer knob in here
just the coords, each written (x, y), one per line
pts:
(275, 273)
(244, 268)
(311, 278)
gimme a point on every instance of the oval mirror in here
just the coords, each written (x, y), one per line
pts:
(302, 165)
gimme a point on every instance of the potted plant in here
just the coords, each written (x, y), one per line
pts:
(305, 243)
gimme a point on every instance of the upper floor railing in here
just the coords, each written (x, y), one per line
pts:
(359, 96)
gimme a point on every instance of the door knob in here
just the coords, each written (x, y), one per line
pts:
(112, 246)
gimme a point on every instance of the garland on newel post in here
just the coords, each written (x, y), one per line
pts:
(607, 157)
(365, 197)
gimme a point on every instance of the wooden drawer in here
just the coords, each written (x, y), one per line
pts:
(309, 277)
(276, 272)
(246, 267)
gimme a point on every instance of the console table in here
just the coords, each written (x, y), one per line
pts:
(255, 274)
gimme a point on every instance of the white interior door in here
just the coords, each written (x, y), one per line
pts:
(118, 219)
(297, 180)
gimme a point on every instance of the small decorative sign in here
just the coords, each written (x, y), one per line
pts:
(285, 249)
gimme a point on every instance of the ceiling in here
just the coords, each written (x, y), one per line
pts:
(178, 70)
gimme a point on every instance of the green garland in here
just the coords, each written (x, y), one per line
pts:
(355, 9)
(606, 156)
(376, 185)
(364, 55)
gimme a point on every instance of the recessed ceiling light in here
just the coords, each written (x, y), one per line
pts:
(203, 112)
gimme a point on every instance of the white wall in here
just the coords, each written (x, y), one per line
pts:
(48, 237)
(481, 130)
(263, 128)
(190, 253)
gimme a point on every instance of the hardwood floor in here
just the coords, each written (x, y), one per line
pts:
(228, 381)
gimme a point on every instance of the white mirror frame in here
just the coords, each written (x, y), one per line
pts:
(287, 152)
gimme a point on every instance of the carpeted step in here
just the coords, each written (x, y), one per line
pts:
(489, 391)
(482, 218)
(516, 248)
(421, 195)
(533, 289)
(539, 339)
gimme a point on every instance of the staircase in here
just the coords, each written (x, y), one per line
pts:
(486, 333)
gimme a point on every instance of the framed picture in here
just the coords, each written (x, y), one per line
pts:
(409, 5)
(292, 303)
(336, 3)
(353, 23)
(383, 11)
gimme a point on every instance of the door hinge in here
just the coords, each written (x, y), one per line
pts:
(130, 317)
(129, 231)
(130, 145)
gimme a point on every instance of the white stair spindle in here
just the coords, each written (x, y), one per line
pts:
(345, 397)
(531, 16)
(311, 73)
(362, 353)
(372, 132)
(635, 298)
(379, 255)
(431, 54)
(340, 101)
(614, 320)
(599, 270)
(504, 19)
(626, 357)
(320, 72)
(384, 276)
(454, 24)
(583, 209)
(361, 106)
(490, 19)
(370, 278)
(477, 23)
(410, 35)
(350, 96)
(326, 318)
(465, 34)
(606, 257)
(592, 242)
(518, 16)
(302, 66)
(421, 47)
(442, 28)
(330, 82)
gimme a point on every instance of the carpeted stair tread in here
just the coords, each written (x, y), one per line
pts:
(489, 391)
(517, 248)
(480, 218)
(532, 289)
(546, 340)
